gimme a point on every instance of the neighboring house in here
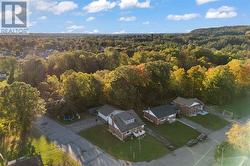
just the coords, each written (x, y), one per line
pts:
(105, 112)
(190, 107)
(3, 76)
(125, 124)
(31, 161)
(161, 114)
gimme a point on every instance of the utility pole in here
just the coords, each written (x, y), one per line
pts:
(222, 155)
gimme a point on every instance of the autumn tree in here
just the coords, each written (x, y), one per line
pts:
(82, 89)
(196, 76)
(239, 135)
(219, 85)
(33, 70)
(19, 105)
(124, 86)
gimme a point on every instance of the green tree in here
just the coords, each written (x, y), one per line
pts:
(219, 85)
(19, 105)
(124, 86)
(196, 76)
(82, 89)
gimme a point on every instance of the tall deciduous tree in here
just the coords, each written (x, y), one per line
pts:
(220, 86)
(239, 135)
(33, 70)
(82, 89)
(19, 104)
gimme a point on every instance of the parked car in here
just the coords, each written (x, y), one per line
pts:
(202, 137)
(192, 142)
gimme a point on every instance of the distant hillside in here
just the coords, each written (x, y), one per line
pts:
(221, 31)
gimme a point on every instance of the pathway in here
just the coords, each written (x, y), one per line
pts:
(195, 126)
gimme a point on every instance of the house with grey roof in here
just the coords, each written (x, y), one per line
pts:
(125, 124)
(161, 114)
(190, 107)
(105, 112)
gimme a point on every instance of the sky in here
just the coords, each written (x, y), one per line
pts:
(134, 16)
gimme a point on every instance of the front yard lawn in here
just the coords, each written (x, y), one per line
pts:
(141, 149)
(177, 133)
(209, 121)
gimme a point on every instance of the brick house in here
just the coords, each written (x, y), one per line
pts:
(161, 114)
(190, 107)
(125, 124)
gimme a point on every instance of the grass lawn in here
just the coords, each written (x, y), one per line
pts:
(177, 133)
(209, 121)
(239, 107)
(50, 154)
(233, 157)
(142, 149)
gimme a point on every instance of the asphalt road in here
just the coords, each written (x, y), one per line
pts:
(88, 154)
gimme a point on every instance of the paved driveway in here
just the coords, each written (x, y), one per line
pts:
(78, 147)
(199, 155)
(194, 125)
(84, 124)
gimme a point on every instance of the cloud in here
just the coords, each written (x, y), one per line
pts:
(73, 28)
(134, 3)
(42, 18)
(146, 23)
(55, 7)
(201, 2)
(120, 32)
(90, 19)
(95, 31)
(222, 12)
(99, 5)
(127, 19)
(183, 17)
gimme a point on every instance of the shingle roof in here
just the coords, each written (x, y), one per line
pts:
(106, 110)
(187, 102)
(164, 111)
(127, 115)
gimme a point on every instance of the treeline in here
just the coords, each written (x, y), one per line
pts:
(231, 41)
(147, 78)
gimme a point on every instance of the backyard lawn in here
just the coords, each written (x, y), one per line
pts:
(209, 121)
(141, 149)
(240, 107)
(177, 133)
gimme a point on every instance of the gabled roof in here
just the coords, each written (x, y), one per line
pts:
(164, 111)
(106, 110)
(188, 102)
(120, 118)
